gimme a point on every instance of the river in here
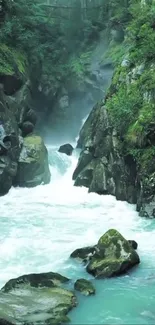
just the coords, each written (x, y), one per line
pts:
(40, 227)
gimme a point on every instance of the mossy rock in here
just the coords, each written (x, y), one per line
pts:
(33, 166)
(49, 279)
(115, 256)
(85, 287)
(41, 297)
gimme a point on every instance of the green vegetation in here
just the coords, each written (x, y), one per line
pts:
(55, 42)
(12, 61)
(131, 98)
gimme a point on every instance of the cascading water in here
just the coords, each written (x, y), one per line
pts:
(40, 227)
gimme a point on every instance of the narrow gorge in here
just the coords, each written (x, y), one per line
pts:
(77, 155)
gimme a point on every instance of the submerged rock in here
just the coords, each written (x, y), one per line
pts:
(67, 149)
(33, 168)
(112, 256)
(85, 287)
(41, 297)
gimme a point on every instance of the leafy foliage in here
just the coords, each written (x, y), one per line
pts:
(131, 101)
(49, 37)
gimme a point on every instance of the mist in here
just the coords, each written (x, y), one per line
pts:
(78, 102)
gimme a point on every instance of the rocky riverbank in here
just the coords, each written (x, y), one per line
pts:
(47, 298)
(23, 155)
(117, 140)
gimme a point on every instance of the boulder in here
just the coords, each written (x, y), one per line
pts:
(84, 254)
(67, 149)
(112, 256)
(41, 298)
(33, 168)
(27, 128)
(85, 287)
(36, 280)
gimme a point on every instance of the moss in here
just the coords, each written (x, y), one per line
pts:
(109, 236)
(115, 52)
(123, 106)
(84, 286)
(146, 158)
(12, 61)
(79, 66)
(33, 140)
(105, 267)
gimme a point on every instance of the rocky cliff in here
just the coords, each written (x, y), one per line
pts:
(118, 138)
(21, 156)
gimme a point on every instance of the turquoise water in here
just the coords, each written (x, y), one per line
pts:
(40, 227)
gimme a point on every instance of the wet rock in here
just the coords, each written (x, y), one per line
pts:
(67, 149)
(11, 83)
(31, 116)
(49, 279)
(41, 297)
(33, 168)
(27, 128)
(115, 256)
(9, 145)
(85, 287)
(84, 254)
(20, 103)
(133, 244)
(84, 160)
(112, 256)
(101, 167)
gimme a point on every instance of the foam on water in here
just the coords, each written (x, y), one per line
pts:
(40, 227)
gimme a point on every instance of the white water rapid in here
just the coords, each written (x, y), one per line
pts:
(40, 227)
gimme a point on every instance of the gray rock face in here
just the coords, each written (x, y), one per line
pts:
(41, 297)
(101, 167)
(9, 146)
(23, 162)
(112, 256)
